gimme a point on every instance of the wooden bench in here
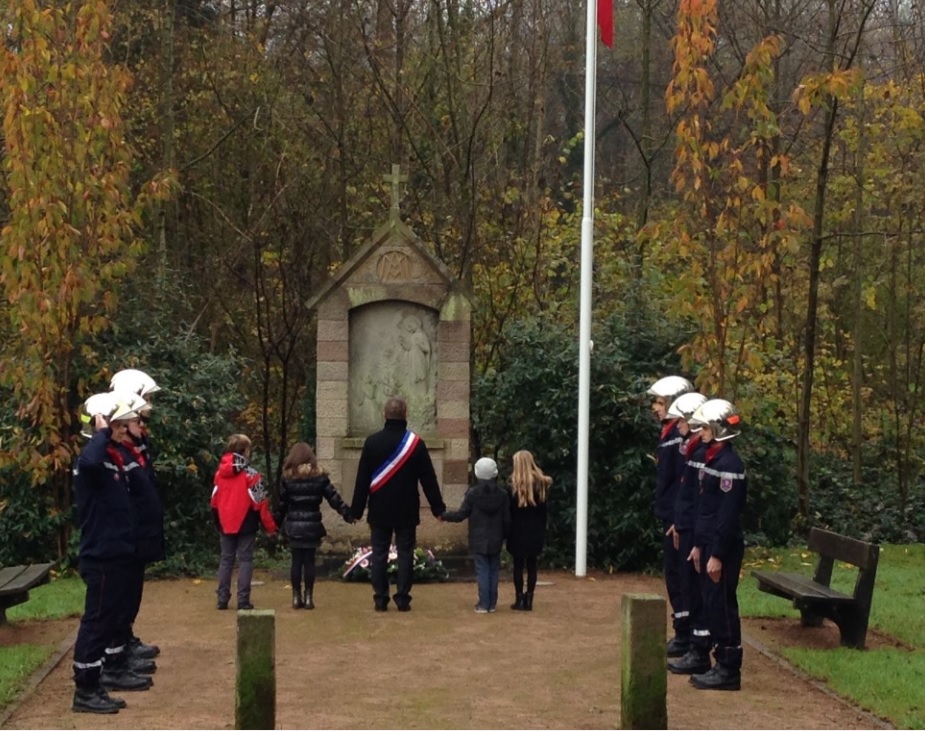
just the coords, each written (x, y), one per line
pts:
(814, 597)
(15, 582)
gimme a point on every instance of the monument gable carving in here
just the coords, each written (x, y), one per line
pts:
(393, 321)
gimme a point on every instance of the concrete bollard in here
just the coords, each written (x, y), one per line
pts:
(644, 677)
(255, 685)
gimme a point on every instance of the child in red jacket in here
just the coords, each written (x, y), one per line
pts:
(239, 505)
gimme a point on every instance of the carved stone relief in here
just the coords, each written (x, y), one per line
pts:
(392, 353)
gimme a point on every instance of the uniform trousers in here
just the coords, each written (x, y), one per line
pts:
(689, 580)
(104, 623)
(719, 626)
(136, 589)
(672, 567)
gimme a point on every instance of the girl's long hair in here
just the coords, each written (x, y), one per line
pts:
(300, 462)
(528, 483)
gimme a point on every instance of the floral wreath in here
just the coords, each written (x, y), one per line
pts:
(425, 565)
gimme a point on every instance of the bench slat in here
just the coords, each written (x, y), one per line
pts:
(850, 550)
(816, 599)
(9, 574)
(17, 579)
(797, 585)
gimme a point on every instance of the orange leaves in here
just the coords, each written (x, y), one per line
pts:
(818, 88)
(693, 44)
(724, 231)
(71, 229)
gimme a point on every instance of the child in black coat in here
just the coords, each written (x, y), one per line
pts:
(528, 525)
(305, 485)
(486, 505)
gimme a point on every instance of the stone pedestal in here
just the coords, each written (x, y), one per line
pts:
(644, 677)
(393, 322)
(255, 685)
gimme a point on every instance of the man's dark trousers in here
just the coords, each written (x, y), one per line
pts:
(381, 540)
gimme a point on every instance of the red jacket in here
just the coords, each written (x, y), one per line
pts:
(239, 497)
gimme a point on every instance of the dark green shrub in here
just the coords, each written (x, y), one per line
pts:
(191, 420)
(29, 522)
(531, 402)
(193, 414)
(772, 494)
(872, 510)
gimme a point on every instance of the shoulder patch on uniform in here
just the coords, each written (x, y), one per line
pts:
(725, 484)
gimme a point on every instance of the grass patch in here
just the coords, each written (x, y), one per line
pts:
(887, 681)
(18, 662)
(61, 598)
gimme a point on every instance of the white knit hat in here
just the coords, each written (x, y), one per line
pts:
(486, 469)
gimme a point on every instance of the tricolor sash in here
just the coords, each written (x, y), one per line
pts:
(394, 463)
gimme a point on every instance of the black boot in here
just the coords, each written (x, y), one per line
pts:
(118, 701)
(719, 677)
(694, 661)
(124, 679)
(518, 604)
(95, 700)
(309, 602)
(297, 601)
(528, 601)
(143, 650)
(678, 646)
(141, 666)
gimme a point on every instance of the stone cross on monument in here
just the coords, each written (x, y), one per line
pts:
(393, 321)
(396, 179)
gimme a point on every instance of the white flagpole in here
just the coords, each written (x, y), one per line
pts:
(584, 328)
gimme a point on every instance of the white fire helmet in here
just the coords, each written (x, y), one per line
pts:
(131, 379)
(670, 387)
(108, 405)
(135, 402)
(722, 418)
(684, 406)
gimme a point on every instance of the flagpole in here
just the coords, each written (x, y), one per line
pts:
(584, 327)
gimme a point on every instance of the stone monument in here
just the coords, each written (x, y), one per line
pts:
(393, 321)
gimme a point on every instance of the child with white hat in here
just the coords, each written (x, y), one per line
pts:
(486, 505)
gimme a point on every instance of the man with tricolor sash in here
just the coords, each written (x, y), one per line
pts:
(393, 462)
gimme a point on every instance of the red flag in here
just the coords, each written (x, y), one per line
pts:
(605, 21)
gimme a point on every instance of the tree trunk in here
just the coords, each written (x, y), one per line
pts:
(858, 369)
(812, 301)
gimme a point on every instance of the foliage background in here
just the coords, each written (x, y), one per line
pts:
(758, 227)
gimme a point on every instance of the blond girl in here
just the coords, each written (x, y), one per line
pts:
(528, 524)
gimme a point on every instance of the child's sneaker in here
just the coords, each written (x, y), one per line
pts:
(479, 609)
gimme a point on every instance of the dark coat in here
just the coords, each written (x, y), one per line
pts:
(299, 511)
(486, 506)
(689, 490)
(104, 505)
(397, 504)
(668, 470)
(146, 504)
(723, 487)
(528, 529)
